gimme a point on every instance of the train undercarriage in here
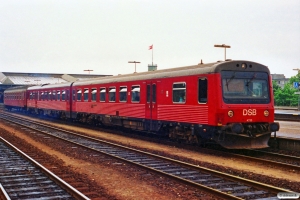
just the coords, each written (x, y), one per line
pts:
(231, 136)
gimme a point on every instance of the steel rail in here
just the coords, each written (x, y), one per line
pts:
(251, 183)
(266, 161)
(71, 190)
(3, 193)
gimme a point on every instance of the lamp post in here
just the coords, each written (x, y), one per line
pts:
(88, 70)
(134, 64)
(223, 46)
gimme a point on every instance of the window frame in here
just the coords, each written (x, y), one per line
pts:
(101, 92)
(133, 96)
(112, 90)
(205, 96)
(181, 99)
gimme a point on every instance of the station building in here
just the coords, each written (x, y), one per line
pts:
(11, 79)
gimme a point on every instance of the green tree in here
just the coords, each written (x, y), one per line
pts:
(286, 96)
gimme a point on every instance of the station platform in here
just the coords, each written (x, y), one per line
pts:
(287, 112)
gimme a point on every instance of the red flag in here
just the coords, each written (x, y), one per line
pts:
(151, 47)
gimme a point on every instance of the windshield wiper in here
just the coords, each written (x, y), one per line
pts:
(228, 81)
(254, 76)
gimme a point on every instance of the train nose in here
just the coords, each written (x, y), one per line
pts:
(274, 126)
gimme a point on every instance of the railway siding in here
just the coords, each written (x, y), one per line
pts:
(291, 144)
(23, 178)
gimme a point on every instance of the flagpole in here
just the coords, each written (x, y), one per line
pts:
(152, 54)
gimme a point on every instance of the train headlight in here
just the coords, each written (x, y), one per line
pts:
(244, 66)
(230, 113)
(266, 113)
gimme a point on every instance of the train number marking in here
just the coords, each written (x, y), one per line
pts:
(249, 112)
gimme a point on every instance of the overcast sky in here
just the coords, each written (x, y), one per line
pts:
(70, 36)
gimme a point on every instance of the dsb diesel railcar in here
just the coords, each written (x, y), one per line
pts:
(230, 103)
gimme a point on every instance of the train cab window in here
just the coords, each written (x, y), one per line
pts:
(102, 94)
(94, 94)
(58, 95)
(202, 90)
(179, 92)
(112, 94)
(30, 96)
(63, 95)
(135, 93)
(86, 95)
(79, 94)
(123, 94)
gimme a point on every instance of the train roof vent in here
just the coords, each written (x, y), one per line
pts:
(228, 60)
(220, 61)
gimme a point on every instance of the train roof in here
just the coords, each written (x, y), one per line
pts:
(16, 89)
(209, 68)
(58, 85)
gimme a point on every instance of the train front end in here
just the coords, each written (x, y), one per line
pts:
(245, 118)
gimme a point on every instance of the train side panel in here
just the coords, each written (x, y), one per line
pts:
(15, 98)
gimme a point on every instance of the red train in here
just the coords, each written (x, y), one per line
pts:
(230, 102)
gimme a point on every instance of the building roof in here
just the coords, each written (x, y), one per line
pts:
(24, 80)
(16, 78)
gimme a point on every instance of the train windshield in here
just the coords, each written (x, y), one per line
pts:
(245, 87)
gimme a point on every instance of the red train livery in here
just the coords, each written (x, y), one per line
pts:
(230, 102)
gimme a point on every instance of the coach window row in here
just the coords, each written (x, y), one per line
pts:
(108, 94)
(13, 96)
(56, 95)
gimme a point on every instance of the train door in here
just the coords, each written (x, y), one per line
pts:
(151, 106)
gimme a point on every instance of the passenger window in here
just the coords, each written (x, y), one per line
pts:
(54, 95)
(74, 95)
(179, 92)
(123, 94)
(79, 93)
(153, 93)
(67, 95)
(102, 94)
(135, 93)
(94, 94)
(50, 96)
(45, 96)
(58, 95)
(148, 93)
(63, 95)
(202, 90)
(86, 95)
(112, 94)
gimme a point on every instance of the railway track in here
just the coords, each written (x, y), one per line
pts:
(287, 117)
(21, 177)
(263, 156)
(217, 183)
